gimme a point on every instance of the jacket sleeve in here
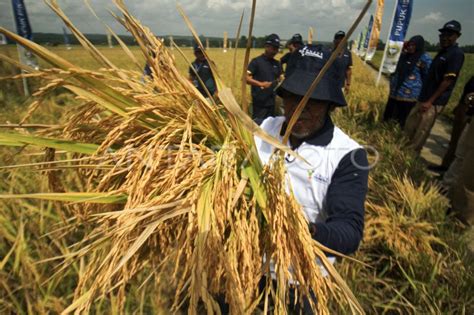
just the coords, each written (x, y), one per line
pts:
(343, 229)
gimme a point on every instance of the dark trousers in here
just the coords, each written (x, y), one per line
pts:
(262, 109)
(397, 110)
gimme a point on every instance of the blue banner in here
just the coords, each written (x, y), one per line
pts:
(401, 20)
(359, 43)
(23, 27)
(369, 31)
(400, 23)
(66, 37)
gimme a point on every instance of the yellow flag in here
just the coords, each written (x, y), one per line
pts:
(375, 35)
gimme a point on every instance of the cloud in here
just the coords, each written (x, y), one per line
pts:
(213, 17)
(432, 17)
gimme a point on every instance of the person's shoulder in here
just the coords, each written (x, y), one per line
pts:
(426, 57)
(271, 123)
(343, 140)
(456, 52)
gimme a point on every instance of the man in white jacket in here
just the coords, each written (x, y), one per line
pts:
(332, 190)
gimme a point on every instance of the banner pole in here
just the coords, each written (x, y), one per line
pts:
(379, 75)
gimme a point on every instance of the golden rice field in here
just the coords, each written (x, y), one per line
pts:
(413, 260)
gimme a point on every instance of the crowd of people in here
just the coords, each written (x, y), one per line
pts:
(333, 188)
(420, 89)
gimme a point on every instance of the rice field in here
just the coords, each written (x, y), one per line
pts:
(413, 259)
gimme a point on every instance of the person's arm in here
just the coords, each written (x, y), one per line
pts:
(192, 74)
(251, 71)
(343, 229)
(445, 84)
(260, 84)
(347, 86)
(452, 71)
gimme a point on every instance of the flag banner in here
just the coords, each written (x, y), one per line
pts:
(398, 32)
(109, 39)
(369, 31)
(207, 43)
(23, 29)
(375, 34)
(363, 49)
(225, 42)
(67, 43)
(310, 36)
(359, 44)
(3, 39)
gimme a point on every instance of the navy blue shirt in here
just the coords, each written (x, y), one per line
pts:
(343, 229)
(205, 74)
(447, 63)
(468, 89)
(264, 69)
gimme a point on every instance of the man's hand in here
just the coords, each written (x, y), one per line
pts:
(425, 106)
(265, 85)
(347, 88)
(312, 229)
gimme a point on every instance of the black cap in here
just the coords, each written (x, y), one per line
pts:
(451, 26)
(339, 34)
(273, 40)
(197, 48)
(307, 63)
(296, 39)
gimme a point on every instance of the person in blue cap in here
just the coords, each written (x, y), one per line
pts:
(345, 63)
(263, 74)
(200, 74)
(332, 188)
(437, 88)
(294, 44)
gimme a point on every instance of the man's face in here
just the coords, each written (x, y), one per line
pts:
(336, 41)
(447, 38)
(311, 119)
(271, 51)
(291, 47)
(411, 47)
(199, 55)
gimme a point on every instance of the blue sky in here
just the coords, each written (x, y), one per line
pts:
(284, 17)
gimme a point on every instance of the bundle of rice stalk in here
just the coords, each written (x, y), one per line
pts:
(173, 180)
(405, 222)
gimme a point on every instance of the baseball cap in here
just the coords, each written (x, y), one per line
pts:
(307, 63)
(273, 40)
(296, 39)
(451, 26)
(339, 34)
(196, 47)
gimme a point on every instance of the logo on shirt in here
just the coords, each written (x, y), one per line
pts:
(320, 178)
(311, 53)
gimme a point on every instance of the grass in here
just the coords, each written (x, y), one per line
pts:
(415, 262)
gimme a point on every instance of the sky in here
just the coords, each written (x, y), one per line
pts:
(284, 17)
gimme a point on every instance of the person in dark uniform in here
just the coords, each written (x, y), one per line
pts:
(263, 74)
(200, 69)
(437, 88)
(294, 44)
(345, 62)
